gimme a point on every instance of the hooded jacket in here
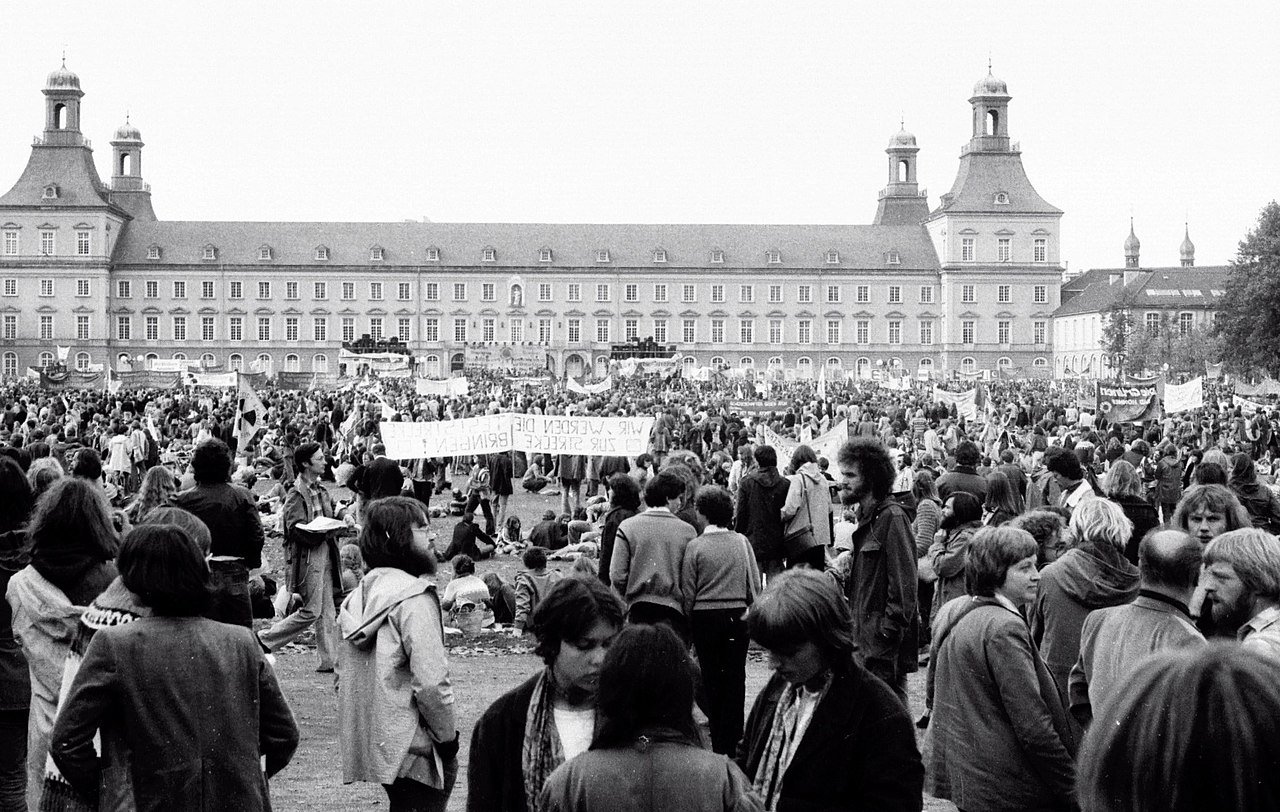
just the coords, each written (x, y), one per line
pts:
(395, 702)
(1071, 588)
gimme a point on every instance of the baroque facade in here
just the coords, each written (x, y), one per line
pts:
(966, 286)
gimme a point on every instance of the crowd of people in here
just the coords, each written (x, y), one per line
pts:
(1096, 605)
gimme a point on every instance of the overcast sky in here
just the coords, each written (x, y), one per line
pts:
(732, 112)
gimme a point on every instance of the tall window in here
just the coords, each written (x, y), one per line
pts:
(968, 294)
(966, 249)
(46, 328)
(348, 328)
(575, 292)
(1003, 331)
(926, 332)
(1040, 294)
(11, 243)
(290, 290)
(833, 331)
(574, 331)
(431, 291)
(348, 291)
(264, 328)
(864, 294)
(1152, 321)
(290, 328)
(689, 330)
(775, 294)
(688, 293)
(631, 292)
(151, 328)
(236, 290)
(895, 294)
(1038, 331)
(179, 328)
(660, 331)
(82, 287)
(1004, 294)
(833, 294)
(1040, 250)
(660, 292)
(488, 327)
(746, 293)
(82, 243)
(746, 331)
(206, 289)
(717, 331)
(319, 328)
(235, 328)
(47, 244)
(206, 328)
(1186, 321)
(402, 328)
(717, 293)
(459, 291)
(179, 289)
(124, 327)
(402, 291)
(804, 294)
(431, 330)
(895, 331)
(488, 292)
(862, 332)
(926, 294)
(775, 331)
(82, 328)
(1004, 249)
(124, 290)
(804, 331)
(375, 291)
(375, 328)
(46, 287)
(544, 331)
(604, 293)
(630, 329)
(966, 332)
(459, 331)
(516, 330)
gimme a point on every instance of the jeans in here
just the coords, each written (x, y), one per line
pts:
(474, 499)
(316, 589)
(407, 795)
(13, 760)
(229, 581)
(720, 640)
(653, 614)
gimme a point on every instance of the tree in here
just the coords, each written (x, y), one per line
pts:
(1117, 332)
(1249, 325)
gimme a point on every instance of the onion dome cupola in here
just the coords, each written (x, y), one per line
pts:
(901, 201)
(1131, 248)
(126, 158)
(990, 101)
(62, 95)
(1187, 251)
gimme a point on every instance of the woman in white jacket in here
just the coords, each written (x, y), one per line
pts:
(808, 502)
(395, 701)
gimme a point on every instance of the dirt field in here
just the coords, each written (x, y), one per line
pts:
(482, 669)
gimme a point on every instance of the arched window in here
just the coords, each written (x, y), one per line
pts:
(993, 122)
(775, 362)
(320, 363)
(208, 360)
(968, 364)
(717, 362)
(1040, 362)
(904, 171)
(179, 356)
(690, 361)
(804, 367)
(895, 363)
(59, 116)
(82, 361)
(235, 362)
(864, 368)
(262, 363)
(1005, 362)
(10, 368)
(126, 163)
(150, 360)
(291, 363)
(746, 362)
(833, 361)
(431, 366)
(459, 360)
(124, 360)
(46, 359)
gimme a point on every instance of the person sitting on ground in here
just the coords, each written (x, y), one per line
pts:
(532, 584)
(502, 598)
(352, 563)
(549, 533)
(466, 592)
(469, 539)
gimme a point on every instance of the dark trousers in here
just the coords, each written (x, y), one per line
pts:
(407, 795)
(13, 760)
(651, 614)
(474, 499)
(924, 599)
(814, 558)
(720, 640)
(229, 582)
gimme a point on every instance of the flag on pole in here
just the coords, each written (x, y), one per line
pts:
(251, 415)
(63, 352)
(822, 382)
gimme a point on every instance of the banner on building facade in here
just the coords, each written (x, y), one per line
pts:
(543, 434)
(448, 388)
(1183, 397)
(1128, 403)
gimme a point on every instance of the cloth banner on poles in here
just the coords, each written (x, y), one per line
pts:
(966, 402)
(1128, 403)
(449, 388)
(221, 379)
(149, 379)
(1248, 407)
(824, 445)
(546, 434)
(1183, 397)
(250, 413)
(591, 388)
(1213, 371)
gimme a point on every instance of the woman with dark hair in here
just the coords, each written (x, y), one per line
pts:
(531, 730)
(72, 544)
(824, 733)
(1171, 741)
(1003, 501)
(314, 569)
(1261, 502)
(1000, 735)
(395, 702)
(151, 684)
(961, 518)
(16, 502)
(646, 753)
(624, 502)
(808, 504)
(1124, 487)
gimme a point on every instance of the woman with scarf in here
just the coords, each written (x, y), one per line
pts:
(395, 703)
(72, 544)
(646, 754)
(531, 730)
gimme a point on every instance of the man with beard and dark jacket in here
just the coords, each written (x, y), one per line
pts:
(1242, 579)
(964, 476)
(761, 496)
(882, 580)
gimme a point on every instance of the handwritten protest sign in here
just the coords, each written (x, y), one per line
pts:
(543, 434)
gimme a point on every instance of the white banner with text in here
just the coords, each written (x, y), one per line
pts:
(539, 434)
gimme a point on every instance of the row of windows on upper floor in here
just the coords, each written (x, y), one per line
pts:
(321, 253)
(544, 330)
(489, 291)
(1004, 249)
(47, 240)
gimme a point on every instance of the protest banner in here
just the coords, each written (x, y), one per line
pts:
(1128, 403)
(966, 402)
(523, 359)
(824, 445)
(149, 379)
(1246, 407)
(591, 388)
(221, 379)
(759, 405)
(544, 434)
(1183, 397)
(448, 388)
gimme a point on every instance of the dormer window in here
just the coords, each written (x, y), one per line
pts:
(322, 254)
(51, 192)
(433, 254)
(1002, 198)
(210, 253)
(375, 254)
(602, 255)
(833, 257)
(264, 253)
(659, 255)
(544, 255)
(774, 256)
(893, 258)
(489, 255)
(153, 252)
(717, 257)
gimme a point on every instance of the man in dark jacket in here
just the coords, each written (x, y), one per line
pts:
(964, 476)
(761, 496)
(882, 581)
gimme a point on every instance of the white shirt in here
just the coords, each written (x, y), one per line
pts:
(576, 727)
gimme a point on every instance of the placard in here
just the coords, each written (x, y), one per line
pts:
(1128, 403)
(541, 434)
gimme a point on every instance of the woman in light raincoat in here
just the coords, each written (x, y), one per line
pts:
(395, 702)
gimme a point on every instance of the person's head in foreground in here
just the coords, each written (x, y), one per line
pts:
(804, 622)
(1241, 575)
(1002, 563)
(396, 535)
(166, 569)
(1194, 730)
(574, 624)
(646, 684)
(1208, 511)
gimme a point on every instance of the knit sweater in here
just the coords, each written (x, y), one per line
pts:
(719, 572)
(648, 555)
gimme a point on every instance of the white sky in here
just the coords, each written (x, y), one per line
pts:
(602, 111)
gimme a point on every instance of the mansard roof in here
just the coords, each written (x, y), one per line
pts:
(1179, 287)
(70, 168)
(516, 245)
(981, 176)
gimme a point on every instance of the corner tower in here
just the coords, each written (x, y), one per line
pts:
(128, 189)
(902, 202)
(1132, 248)
(998, 242)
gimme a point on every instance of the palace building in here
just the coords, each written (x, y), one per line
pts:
(969, 285)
